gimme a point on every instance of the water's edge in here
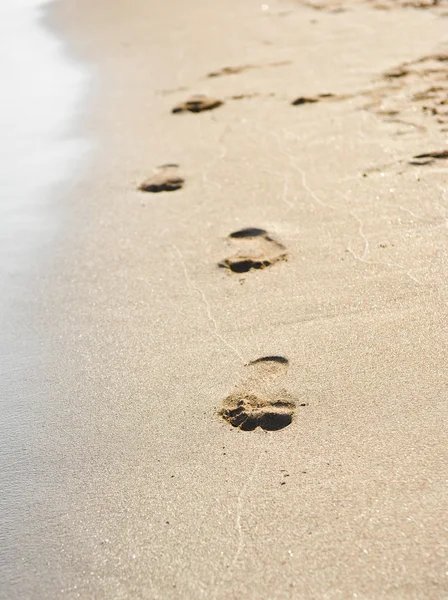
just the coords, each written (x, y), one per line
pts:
(41, 153)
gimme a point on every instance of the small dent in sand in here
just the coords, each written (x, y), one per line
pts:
(312, 99)
(240, 68)
(435, 154)
(304, 100)
(197, 103)
(429, 157)
(396, 72)
(229, 71)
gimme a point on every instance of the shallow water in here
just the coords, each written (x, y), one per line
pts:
(42, 89)
(42, 93)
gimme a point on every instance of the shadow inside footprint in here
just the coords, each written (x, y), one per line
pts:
(259, 250)
(275, 421)
(245, 265)
(248, 232)
(279, 359)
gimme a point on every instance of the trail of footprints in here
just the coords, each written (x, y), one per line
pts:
(342, 5)
(258, 401)
(415, 92)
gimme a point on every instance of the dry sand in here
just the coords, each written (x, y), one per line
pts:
(131, 485)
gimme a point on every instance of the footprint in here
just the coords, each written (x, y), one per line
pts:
(258, 251)
(230, 71)
(239, 69)
(167, 179)
(257, 402)
(429, 157)
(319, 98)
(416, 91)
(304, 100)
(339, 6)
(197, 104)
(396, 72)
(245, 96)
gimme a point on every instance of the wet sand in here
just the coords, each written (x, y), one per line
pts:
(122, 478)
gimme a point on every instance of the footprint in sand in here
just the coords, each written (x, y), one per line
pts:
(336, 6)
(167, 179)
(258, 402)
(313, 99)
(240, 68)
(230, 71)
(413, 93)
(197, 104)
(429, 157)
(258, 250)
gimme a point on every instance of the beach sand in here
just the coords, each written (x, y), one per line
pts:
(129, 483)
